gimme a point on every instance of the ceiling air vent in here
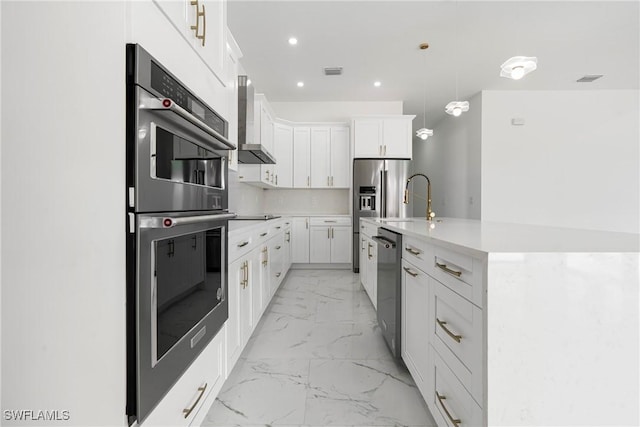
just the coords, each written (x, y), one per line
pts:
(332, 71)
(589, 78)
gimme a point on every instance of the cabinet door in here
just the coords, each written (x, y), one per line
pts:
(245, 309)
(320, 153)
(367, 138)
(181, 15)
(396, 138)
(302, 157)
(265, 276)
(255, 283)
(266, 128)
(300, 240)
(363, 262)
(341, 239)
(286, 260)
(320, 244)
(340, 158)
(231, 65)
(283, 151)
(214, 48)
(415, 323)
(372, 270)
(234, 335)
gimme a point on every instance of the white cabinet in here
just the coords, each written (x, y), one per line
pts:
(283, 152)
(233, 55)
(330, 157)
(301, 157)
(287, 246)
(330, 241)
(382, 137)
(415, 323)
(195, 389)
(300, 240)
(203, 25)
(369, 261)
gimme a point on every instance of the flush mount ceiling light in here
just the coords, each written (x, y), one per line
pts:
(455, 108)
(519, 66)
(300, 84)
(424, 133)
(377, 84)
(293, 41)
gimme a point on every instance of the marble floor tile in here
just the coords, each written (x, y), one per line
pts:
(317, 358)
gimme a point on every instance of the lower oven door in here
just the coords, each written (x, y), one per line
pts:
(180, 297)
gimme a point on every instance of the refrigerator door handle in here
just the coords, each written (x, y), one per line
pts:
(383, 194)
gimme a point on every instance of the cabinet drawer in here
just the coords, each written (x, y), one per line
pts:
(240, 245)
(456, 325)
(367, 229)
(204, 376)
(461, 273)
(276, 228)
(451, 404)
(263, 234)
(330, 221)
(418, 253)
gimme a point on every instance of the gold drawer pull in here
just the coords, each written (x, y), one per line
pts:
(454, 421)
(412, 251)
(264, 234)
(188, 411)
(408, 270)
(278, 248)
(243, 244)
(446, 269)
(278, 274)
(455, 337)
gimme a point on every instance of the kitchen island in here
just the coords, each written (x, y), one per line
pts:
(507, 324)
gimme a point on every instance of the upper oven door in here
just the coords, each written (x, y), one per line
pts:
(181, 289)
(180, 163)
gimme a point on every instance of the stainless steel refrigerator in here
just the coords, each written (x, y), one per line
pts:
(378, 188)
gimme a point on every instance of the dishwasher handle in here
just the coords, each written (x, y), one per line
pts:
(384, 242)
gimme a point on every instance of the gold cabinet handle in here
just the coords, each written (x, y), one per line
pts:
(328, 232)
(363, 245)
(288, 234)
(267, 172)
(408, 270)
(454, 421)
(278, 248)
(264, 234)
(278, 227)
(243, 244)
(328, 181)
(455, 337)
(278, 274)
(199, 14)
(306, 223)
(412, 251)
(380, 150)
(332, 232)
(332, 180)
(369, 250)
(446, 269)
(276, 179)
(308, 181)
(188, 411)
(385, 150)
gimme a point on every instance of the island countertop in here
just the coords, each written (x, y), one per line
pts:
(493, 237)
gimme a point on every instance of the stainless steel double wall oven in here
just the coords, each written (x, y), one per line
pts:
(177, 221)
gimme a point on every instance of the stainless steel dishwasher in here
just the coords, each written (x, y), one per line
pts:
(389, 287)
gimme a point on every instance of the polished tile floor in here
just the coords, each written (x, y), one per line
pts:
(317, 358)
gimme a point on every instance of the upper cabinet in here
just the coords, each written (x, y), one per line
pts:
(382, 137)
(330, 157)
(283, 152)
(203, 24)
(302, 157)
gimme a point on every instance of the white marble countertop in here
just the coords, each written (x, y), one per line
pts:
(487, 237)
(240, 226)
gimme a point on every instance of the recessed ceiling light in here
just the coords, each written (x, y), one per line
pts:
(293, 41)
(377, 84)
(300, 84)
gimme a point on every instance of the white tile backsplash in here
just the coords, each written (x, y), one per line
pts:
(302, 201)
(244, 199)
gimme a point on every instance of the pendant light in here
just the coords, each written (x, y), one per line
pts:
(455, 108)
(519, 66)
(424, 133)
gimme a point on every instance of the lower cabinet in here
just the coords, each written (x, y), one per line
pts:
(300, 240)
(191, 397)
(330, 240)
(415, 323)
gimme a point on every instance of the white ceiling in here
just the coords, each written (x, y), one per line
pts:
(378, 40)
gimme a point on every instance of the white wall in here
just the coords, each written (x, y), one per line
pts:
(244, 199)
(332, 111)
(63, 210)
(451, 160)
(575, 162)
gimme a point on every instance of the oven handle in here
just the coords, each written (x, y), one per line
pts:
(164, 104)
(168, 222)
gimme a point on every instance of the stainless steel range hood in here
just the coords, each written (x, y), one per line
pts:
(249, 152)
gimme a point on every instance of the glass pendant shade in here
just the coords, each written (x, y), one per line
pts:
(424, 133)
(519, 66)
(455, 108)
